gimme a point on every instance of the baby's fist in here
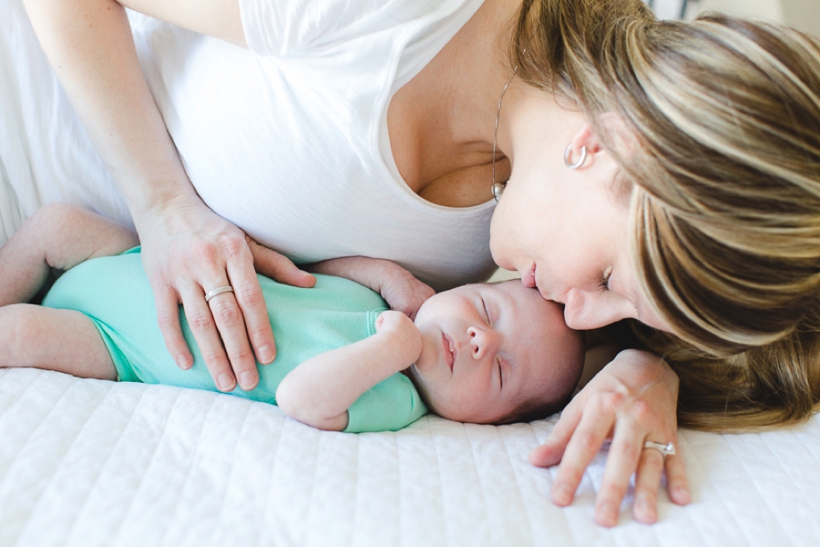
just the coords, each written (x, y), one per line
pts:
(405, 334)
(405, 293)
(392, 320)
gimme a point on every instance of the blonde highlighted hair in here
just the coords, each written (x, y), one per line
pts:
(723, 154)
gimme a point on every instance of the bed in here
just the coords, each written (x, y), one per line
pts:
(89, 462)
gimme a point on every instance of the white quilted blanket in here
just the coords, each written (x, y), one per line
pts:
(87, 462)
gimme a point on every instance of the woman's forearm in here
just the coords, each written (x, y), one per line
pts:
(90, 46)
(188, 250)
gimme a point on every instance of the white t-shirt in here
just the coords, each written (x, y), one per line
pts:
(288, 140)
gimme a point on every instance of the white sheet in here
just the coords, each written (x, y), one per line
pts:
(87, 462)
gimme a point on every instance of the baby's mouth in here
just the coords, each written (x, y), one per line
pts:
(449, 351)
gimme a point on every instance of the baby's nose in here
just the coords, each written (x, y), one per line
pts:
(483, 341)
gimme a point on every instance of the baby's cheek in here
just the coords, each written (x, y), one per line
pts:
(464, 405)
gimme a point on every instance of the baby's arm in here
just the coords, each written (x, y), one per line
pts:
(57, 236)
(319, 391)
(399, 288)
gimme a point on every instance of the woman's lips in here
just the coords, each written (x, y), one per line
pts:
(449, 350)
(528, 278)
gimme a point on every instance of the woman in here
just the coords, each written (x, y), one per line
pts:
(709, 136)
(409, 93)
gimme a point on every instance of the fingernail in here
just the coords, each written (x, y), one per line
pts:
(225, 382)
(608, 511)
(265, 354)
(247, 380)
(646, 509)
(682, 495)
(184, 362)
(645, 513)
(561, 494)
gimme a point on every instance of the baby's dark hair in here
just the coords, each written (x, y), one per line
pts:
(535, 409)
(538, 408)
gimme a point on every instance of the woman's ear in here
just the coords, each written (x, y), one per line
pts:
(585, 140)
(616, 132)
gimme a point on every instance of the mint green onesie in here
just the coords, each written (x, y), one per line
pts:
(114, 292)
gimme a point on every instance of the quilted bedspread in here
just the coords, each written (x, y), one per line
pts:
(87, 462)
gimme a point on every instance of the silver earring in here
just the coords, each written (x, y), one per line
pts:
(568, 157)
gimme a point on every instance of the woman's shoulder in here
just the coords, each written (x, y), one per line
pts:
(285, 27)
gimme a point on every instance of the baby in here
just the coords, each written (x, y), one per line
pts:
(483, 353)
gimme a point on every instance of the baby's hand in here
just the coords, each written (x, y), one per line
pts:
(399, 288)
(404, 293)
(392, 321)
(406, 337)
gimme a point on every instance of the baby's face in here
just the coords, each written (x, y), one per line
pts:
(488, 348)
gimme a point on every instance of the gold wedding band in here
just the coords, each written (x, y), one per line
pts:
(217, 291)
(667, 449)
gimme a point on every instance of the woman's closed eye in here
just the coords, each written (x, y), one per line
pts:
(605, 277)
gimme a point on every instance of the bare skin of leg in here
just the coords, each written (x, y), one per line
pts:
(57, 236)
(62, 340)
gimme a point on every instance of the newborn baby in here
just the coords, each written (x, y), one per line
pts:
(483, 353)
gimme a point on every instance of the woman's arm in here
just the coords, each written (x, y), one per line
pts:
(90, 46)
(187, 249)
(319, 391)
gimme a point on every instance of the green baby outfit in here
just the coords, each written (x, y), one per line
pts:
(114, 292)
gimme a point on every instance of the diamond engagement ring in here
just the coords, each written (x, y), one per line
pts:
(217, 291)
(667, 449)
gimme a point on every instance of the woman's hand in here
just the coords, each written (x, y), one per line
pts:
(632, 400)
(187, 251)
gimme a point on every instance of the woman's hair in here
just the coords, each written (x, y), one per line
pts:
(722, 150)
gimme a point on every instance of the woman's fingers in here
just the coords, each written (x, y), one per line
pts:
(253, 308)
(551, 452)
(586, 441)
(677, 482)
(621, 462)
(278, 267)
(636, 394)
(647, 484)
(201, 321)
(167, 305)
(231, 330)
(187, 252)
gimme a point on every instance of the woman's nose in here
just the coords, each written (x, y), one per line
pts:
(586, 311)
(483, 341)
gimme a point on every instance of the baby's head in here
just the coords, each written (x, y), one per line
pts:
(495, 353)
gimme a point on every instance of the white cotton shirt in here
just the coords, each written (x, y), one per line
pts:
(289, 140)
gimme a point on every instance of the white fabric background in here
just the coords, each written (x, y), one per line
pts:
(88, 462)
